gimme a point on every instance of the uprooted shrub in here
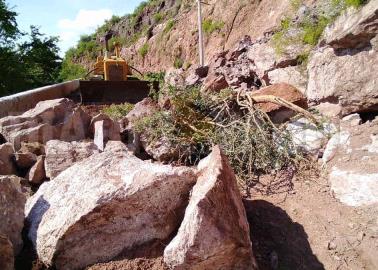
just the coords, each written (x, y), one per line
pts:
(195, 122)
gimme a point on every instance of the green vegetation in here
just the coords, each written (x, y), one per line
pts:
(178, 63)
(143, 51)
(25, 63)
(313, 31)
(158, 17)
(210, 26)
(168, 27)
(253, 144)
(118, 112)
(310, 28)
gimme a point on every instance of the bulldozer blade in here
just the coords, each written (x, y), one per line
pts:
(113, 92)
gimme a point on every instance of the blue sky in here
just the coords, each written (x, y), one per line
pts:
(68, 19)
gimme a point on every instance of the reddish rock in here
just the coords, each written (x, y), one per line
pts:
(6, 254)
(215, 232)
(62, 155)
(285, 91)
(50, 119)
(6, 159)
(214, 83)
(37, 173)
(25, 160)
(12, 203)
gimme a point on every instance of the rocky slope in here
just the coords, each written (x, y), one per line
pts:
(164, 34)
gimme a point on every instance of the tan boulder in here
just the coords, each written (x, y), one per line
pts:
(37, 173)
(215, 232)
(12, 203)
(51, 119)
(7, 165)
(286, 91)
(109, 203)
(62, 155)
(6, 254)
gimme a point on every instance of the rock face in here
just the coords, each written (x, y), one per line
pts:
(61, 155)
(353, 29)
(12, 203)
(6, 253)
(110, 203)
(344, 71)
(6, 159)
(215, 232)
(51, 119)
(283, 90)
(351, 157)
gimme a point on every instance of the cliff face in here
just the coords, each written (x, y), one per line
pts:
(164, 34)
(175, 42)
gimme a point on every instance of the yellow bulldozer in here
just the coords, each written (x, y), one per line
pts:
(112, 80)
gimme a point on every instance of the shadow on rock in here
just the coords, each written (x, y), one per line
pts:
(28, 258)
(278, 242)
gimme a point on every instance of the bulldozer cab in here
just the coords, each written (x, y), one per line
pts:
(112, 66)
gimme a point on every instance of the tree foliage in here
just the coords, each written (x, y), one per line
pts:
(28, 63)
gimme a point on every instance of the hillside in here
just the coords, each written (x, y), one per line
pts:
(163, 34)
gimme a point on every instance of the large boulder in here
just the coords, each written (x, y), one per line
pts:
(110, 203)
(12, 203)
(7, 166)
(215, 232)
(62, 155)
(351, 157)
(353, 29)
(309, 138)
(286, 91)
(343, 70)
(51, 119)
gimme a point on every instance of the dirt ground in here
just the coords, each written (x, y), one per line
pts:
(307, 228)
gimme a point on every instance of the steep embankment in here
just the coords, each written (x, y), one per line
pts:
(162, 34)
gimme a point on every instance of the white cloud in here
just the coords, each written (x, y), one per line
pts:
(86, 22)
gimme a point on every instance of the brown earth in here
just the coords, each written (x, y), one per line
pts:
(305, 227)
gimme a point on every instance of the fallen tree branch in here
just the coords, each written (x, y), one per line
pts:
(285, 103)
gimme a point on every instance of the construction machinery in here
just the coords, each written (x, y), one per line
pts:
(111, 79)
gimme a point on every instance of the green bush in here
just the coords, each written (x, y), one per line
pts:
(118, 112)
(158, 17)
(71, 71)
(168, 27)
(143, 51)
(178, 63)
(209, 26)
(313, 31)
